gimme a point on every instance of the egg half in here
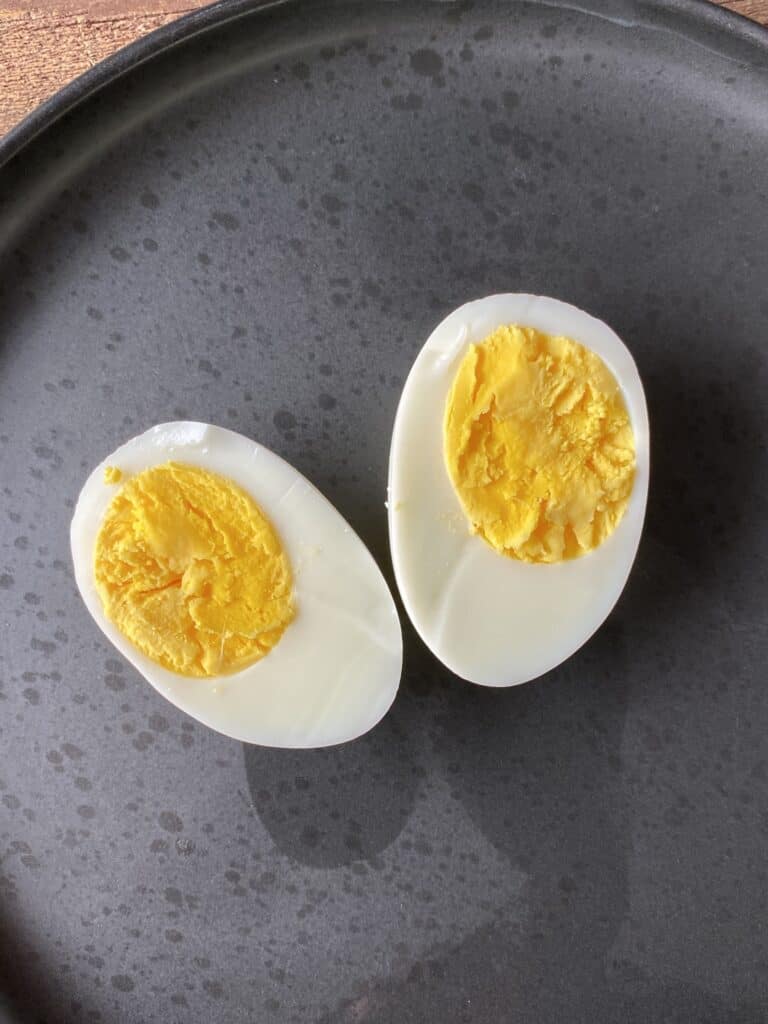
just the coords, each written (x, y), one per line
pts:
(332, 669)
(491, 619)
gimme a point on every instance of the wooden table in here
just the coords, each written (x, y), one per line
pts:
(45, 43)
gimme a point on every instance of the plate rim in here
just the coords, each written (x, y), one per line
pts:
(689, 16)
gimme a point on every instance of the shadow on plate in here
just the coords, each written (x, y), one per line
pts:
(31, 988)
(336, 805)
(466, 984)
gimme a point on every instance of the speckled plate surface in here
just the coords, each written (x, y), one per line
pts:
(259, 227)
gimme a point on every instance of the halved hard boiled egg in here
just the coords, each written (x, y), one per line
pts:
(236, 589)
(518, 481)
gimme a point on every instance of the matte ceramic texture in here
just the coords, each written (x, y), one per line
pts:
(259, 227)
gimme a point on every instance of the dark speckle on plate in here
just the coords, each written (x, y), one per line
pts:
(260, 227)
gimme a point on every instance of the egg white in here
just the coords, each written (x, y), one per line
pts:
(494, 620)
(335, 671)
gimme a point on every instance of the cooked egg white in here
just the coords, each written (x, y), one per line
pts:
(236, 589)
(518, 481)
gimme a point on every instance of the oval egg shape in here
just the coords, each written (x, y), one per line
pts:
(490, 619)
(335, 671)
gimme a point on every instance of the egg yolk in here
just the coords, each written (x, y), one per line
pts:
(538, 445)
(190, 569)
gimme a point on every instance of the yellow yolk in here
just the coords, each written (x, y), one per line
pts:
(538, 445)
(189, 568)
(112, 475)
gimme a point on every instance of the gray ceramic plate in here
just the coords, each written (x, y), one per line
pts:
(258, 226)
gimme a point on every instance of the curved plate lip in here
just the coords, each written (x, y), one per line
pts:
(692, 17)
(123, 61)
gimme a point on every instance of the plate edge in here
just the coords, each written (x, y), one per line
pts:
(691, 13)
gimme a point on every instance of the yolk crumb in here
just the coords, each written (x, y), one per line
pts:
(112, 475)
(538, 445)
(189, 568)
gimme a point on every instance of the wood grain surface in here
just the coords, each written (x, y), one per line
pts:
(46, 43)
